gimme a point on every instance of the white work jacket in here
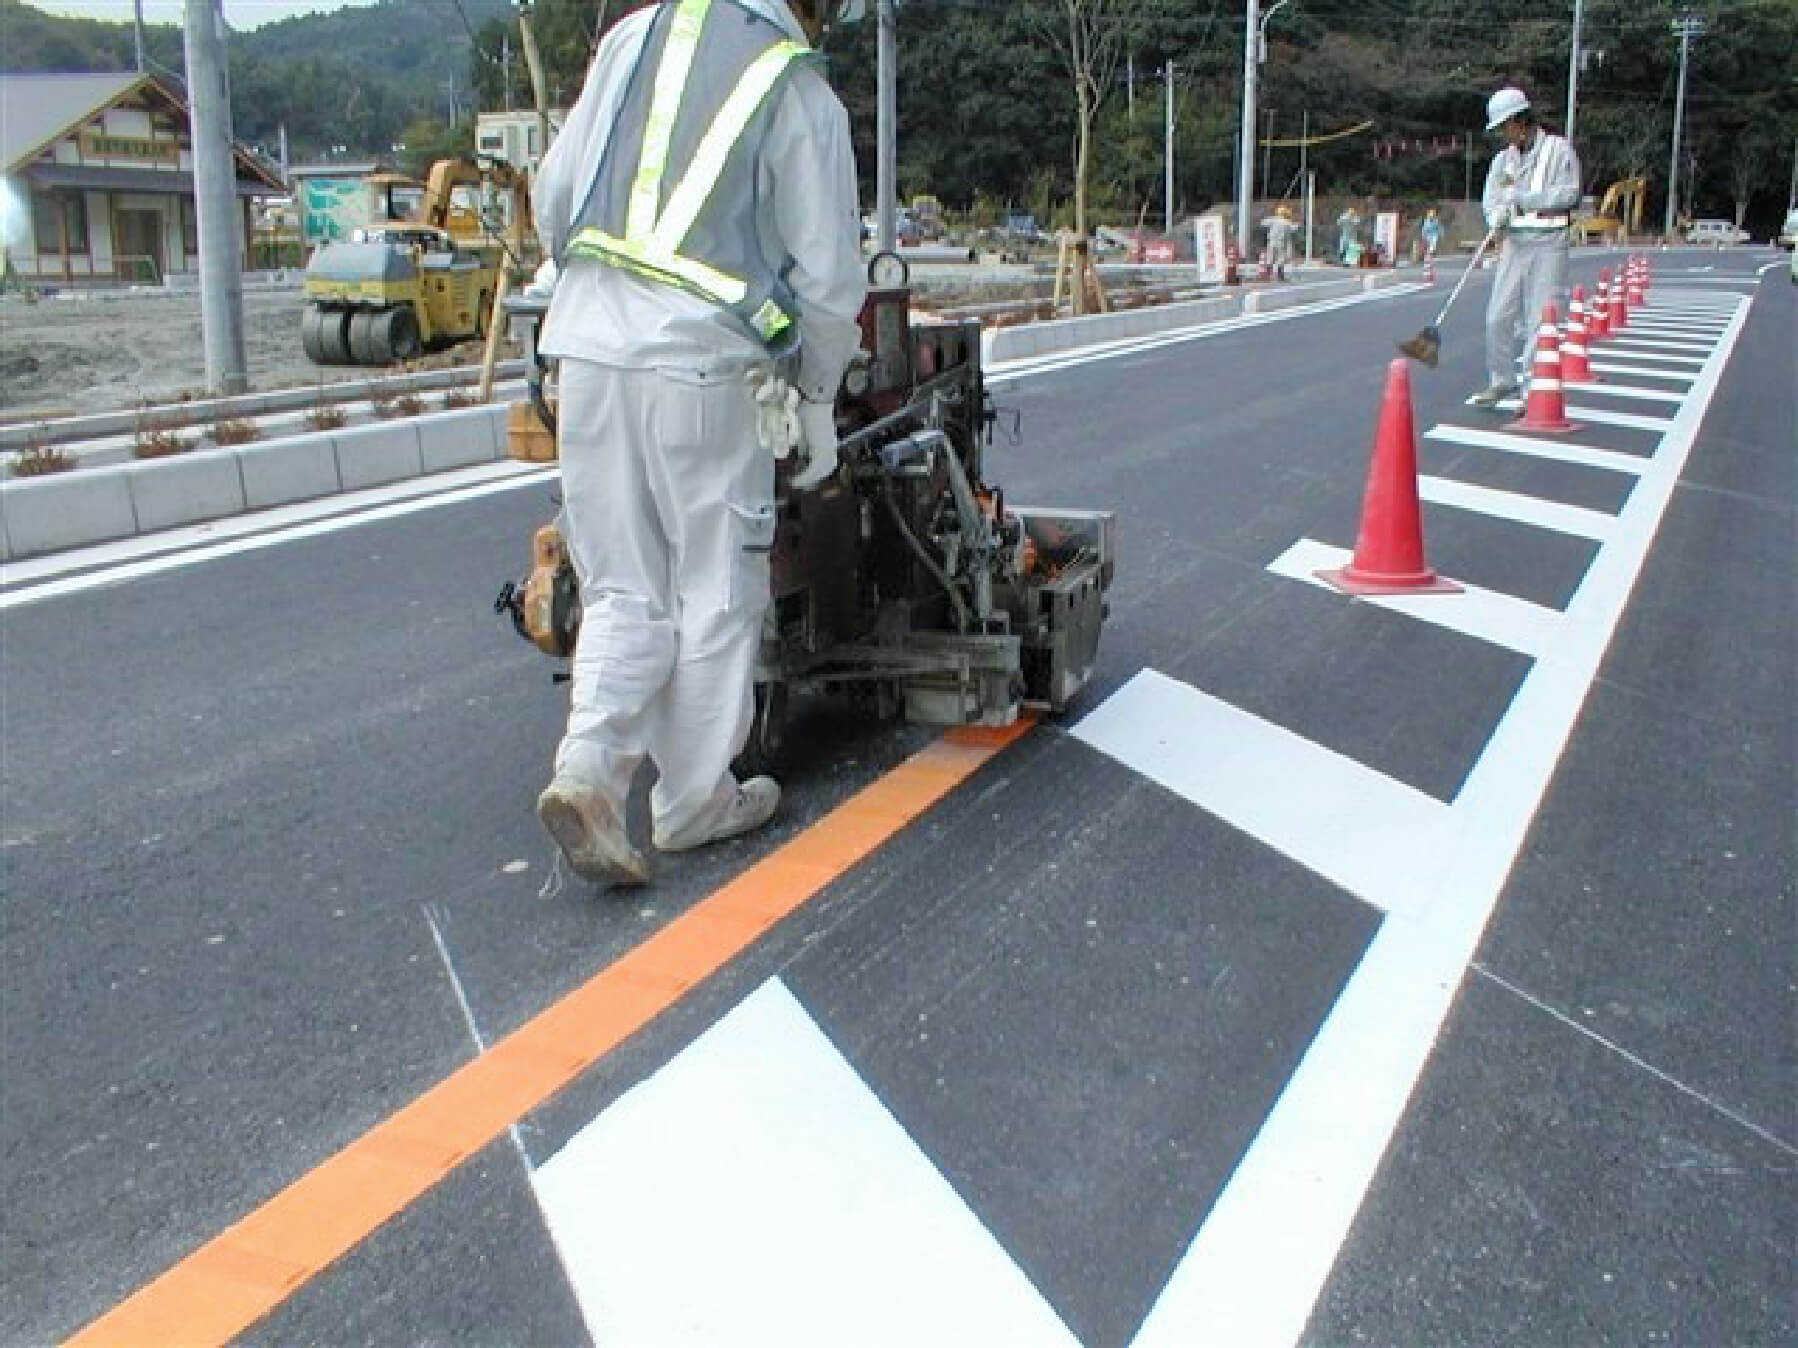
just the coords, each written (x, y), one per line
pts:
(1542, 180)
(807, 214)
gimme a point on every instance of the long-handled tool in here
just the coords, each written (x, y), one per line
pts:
(1426, 344)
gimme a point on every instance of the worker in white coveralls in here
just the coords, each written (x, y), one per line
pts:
(1280, 229)
(701, 201)
(1531, 190)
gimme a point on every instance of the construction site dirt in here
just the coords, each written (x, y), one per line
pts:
(75, 354)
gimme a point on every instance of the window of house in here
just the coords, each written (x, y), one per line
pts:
(49, 212)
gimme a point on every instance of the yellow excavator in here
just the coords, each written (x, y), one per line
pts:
(1619, 214)
(401, 286)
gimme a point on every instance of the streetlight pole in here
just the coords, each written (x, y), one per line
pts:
(1687, 27)
(220, 225)
(1573, 55)
(1245, 166)
(886, 184)
(1168, 132)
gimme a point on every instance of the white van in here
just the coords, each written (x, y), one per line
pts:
(1719, 232)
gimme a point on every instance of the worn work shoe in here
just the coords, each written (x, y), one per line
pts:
(591, 834)
(1493, 394)
(749, 809)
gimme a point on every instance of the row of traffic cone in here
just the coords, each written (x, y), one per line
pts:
(1389, 552)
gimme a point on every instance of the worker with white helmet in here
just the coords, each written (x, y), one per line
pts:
(701, 201)
(1531, 190)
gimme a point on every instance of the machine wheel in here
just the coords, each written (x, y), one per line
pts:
(312, 341)
(396, 332)
(334, 337)
(767, 732)
(365, 348)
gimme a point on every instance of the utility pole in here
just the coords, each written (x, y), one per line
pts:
(533, 62)
(1130, 85)
(1686, 27)
(1267, 156)
(137, 28)
(215, 199)
(1245, 166)
(1168, 153)
(1573, 58)
(886, 173)
(1305, 174)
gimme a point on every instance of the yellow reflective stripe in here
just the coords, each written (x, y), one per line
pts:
(727, 128)
(645, 257)
(664, 107)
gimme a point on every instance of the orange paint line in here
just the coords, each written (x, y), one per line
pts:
(243, 1274)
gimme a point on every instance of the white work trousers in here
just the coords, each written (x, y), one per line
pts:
(669, 507)
(1532, 273)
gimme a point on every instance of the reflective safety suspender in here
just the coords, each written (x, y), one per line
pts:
(652, 241)
(1538, 176)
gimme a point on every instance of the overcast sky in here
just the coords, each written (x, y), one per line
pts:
(240, 14)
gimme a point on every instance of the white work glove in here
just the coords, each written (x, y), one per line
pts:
(819, 424)
(543, 284)
(776, 412)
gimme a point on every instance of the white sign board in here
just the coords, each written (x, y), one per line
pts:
(1208, 244)
(1385, 237)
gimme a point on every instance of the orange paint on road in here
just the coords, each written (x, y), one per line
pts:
(243, 1274)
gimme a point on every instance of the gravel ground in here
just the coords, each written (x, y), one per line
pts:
(69, 355)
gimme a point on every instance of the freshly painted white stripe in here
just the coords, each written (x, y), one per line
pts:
(507, 477)
(1653, 359)
(1510, 505)
(1486, 615)
(1657, 344)
(1643, 371)
(1703, 333)
(1647, 395)
(755, 1192)
(1538, 448)
(1350, 824)
(1255, 1269)
(1601, 416)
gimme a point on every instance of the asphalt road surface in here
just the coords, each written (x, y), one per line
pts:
(1336, 972)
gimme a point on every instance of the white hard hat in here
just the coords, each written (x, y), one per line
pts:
(1503, 106)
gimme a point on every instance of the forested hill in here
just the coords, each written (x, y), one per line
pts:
(987, 109)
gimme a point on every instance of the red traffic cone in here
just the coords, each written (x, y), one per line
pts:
(1545, 409)
(1618, 316)
(1597, 324)
(1389, 548)
(1575, 369)
(1638, 280)
(1429, 271)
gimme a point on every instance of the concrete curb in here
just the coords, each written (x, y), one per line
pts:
(70, 510)
(100, 504)
(205, 410)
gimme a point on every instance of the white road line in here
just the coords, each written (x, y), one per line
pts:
(1653, 344)
(1002, 373)
(1653, 359)
(1694, 332)
(755, 1192)
(1502, 619)
(1254, 1272)
(520, 476)
(1510, 505)
(1643, 371)
(1600, 416)
(1538, 448)
(1609, 390)
(1349, 823)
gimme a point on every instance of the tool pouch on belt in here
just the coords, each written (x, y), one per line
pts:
(548, 611)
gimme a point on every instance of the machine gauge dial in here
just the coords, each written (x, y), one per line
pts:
(888, 271)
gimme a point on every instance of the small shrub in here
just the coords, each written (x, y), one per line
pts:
(38, 459)
(408, 405)
(159, 436)
(235, 431)
(326, 417)
(456, 398)
(382, 399)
